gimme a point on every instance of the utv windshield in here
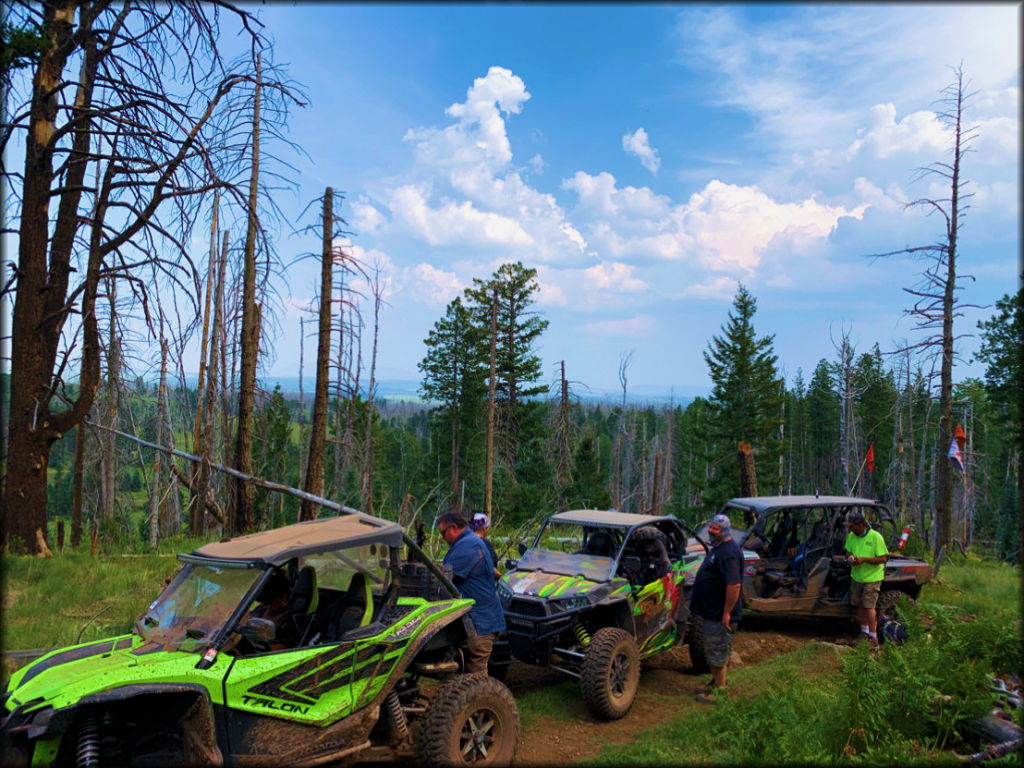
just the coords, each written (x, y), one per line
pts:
(572, 549)
(197, 602)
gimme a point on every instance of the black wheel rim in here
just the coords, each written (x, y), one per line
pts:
(618, 674)
(478, 736)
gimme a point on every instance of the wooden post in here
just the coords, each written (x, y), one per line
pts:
(748, 476)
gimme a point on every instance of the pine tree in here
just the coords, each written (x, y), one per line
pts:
(517, 364)
(744, 398)
(589, 487)
(454, 380)
(875, 411)
(823, 429)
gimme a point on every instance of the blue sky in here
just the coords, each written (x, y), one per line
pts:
(645, 159)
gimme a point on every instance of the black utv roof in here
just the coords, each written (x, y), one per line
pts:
(311, 537)
(762, 504)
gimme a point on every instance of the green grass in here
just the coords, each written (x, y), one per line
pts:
(814, 707)
(978, 587)
(551, 702)
(49, 602)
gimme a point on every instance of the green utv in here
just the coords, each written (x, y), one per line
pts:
(598, 591)
(204, 679)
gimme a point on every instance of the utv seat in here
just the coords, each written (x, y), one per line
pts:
(599, 544)
(304, 599)
(353, 609)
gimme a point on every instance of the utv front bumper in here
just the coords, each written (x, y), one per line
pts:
(533, 625)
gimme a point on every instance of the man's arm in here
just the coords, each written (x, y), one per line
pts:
(731, 574)
(464, 561)
(881, 557)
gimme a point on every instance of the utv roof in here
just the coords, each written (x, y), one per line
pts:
(302, 539)
(607, 517)
(762, 504)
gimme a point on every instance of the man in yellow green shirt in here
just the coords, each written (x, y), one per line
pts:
(866, 553)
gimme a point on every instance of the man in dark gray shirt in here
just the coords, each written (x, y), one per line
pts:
(716, 599)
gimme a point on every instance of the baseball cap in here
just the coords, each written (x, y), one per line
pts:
(855, 516)
(722, 521)
(479, 521)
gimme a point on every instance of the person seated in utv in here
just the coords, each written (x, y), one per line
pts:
(275, 605)
(654, 562)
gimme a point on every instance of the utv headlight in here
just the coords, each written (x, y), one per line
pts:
(570, 604)
(503, 590)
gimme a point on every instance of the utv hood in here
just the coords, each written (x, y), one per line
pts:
(68, 676)
(551, 585)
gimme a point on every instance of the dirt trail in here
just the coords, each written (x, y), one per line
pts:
(666, 689)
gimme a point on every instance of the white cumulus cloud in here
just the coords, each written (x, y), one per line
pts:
(917, 132)
(722, 228)
(430, 285)
(721, 288)
(613, 276)
(638, 144)
(454, 222)
(366, 219)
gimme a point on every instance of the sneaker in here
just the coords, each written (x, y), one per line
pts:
(706, 698)
(873, 642)
(706, 688)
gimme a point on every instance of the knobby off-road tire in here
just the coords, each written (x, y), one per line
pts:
(472, 720)
(610, 674)
(889, 604)
(695, 642)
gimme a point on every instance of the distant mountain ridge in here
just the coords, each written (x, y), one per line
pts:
(408, 389)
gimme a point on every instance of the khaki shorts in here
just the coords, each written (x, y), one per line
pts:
(864, 593)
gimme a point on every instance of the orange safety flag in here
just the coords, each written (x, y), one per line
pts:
(960, 436)
(871, 458)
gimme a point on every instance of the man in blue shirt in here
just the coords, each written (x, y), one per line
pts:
(472, 574)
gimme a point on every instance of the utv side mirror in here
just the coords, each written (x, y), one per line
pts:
(522, 548)
(258, 630)
(511, 564)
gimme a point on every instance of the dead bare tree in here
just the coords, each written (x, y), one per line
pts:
(377, 291)
(195, 502)
(153, 142)
(244, 514)
(314, 482)
(935, 303)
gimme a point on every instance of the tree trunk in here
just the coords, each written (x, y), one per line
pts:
(77, 476)
(34, 336)
(945, 505)
(195, 504)
(748, 476)
(318, 433)
(157, 489)
(303, 449)
(489, 465)
(202, 490)
(243, 518)
(370, 406)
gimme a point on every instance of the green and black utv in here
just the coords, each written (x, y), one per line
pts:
(203, 678)
(598, 591)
